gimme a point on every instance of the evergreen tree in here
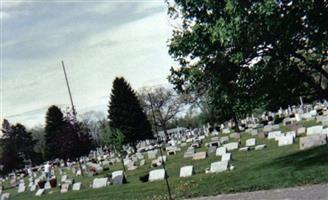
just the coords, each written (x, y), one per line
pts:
(54, 129)
(125, 113)
(17, 147)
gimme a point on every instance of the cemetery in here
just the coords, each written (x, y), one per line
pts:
(235, 164)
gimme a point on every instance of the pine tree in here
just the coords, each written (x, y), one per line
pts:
(125, 113)
(54, 129)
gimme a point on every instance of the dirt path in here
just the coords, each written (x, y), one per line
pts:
(313, 192)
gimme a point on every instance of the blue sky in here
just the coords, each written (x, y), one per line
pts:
(98, 40)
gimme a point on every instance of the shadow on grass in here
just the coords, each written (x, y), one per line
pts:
(317, 156)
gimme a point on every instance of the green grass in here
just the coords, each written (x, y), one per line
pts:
(270, 168)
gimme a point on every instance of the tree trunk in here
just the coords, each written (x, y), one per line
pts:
(122, 162)
(236, 123)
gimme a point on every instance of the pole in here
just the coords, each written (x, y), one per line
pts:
(160, 148)
(73, 108)
(69, 89)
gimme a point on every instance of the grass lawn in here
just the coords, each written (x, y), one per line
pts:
(270, 168)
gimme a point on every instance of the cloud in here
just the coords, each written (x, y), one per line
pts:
(123, 39)
(4, 15)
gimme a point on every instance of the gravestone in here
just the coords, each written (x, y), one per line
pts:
(63, 178)
(189, 153)
(312, 141)
(231, 146)
(156, 175)
(224, 139)
(5, 196)
(219, 166)
(285, 140)
(250, 142)
(64, 188)
(226, 157)
(226, 131)
(260, 147)
(274, 135)
(314, 130)
(214, 139)
(220, 151)
(140, 156)
(301, 131)
(47, 186)
(99, 182)
(21, 188)
(186, 171)
(142, 163)
(244, 149)
(39, 192)
(211, 149)
(267, 128)
(234, 135)
(33, 188)
(118, 177)
(199, 156)
(77, 186)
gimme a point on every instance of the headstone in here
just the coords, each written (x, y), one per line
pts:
(63, 178)
(226, 157)
(235, 135)
(301, 131)
(260, 147)
(254, 132)
(219, 166)
(33, 188)
(285, 140)
(224, 139)
(142, 163)
(274, 135)
(211, 149)
(5, 196)
(314, 130)
(244, 149)
(21, 187)
(99, 182)
(64, 188)
(231, 146)
(118, 177)
(312, 141)
(199, 156)
(226, 131)
(156, 175)
(220, 151)
(186, 171)
(39, 192)
(189, 153)
(250, 142)
(214, 139)
(47, 186)
(77, 186)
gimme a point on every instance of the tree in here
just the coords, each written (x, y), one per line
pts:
(55, 132)
(66, 137)
(126, 114)
(244, 54)
(38, 134)
(17, 147)
(114, 140)
(161, 105)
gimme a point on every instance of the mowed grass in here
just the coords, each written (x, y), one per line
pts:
(273, 167)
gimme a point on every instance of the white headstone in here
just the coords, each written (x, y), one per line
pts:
(226, 157)
(5, 196)
(260, 147)
(39, 192)
(77, 186)
(99, 182)
(219, 166)
(314, 130)
(285, 140)
(274, 135)
(64, 188)
(118, 177)
(21, 188)
(231, 146)
(250, 142)
(156, 175)
(186, 171)
(220, 151)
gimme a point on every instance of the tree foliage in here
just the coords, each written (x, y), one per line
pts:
(243, 54)
(126, 114)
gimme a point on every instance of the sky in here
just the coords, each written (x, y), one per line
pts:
(97, 40)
